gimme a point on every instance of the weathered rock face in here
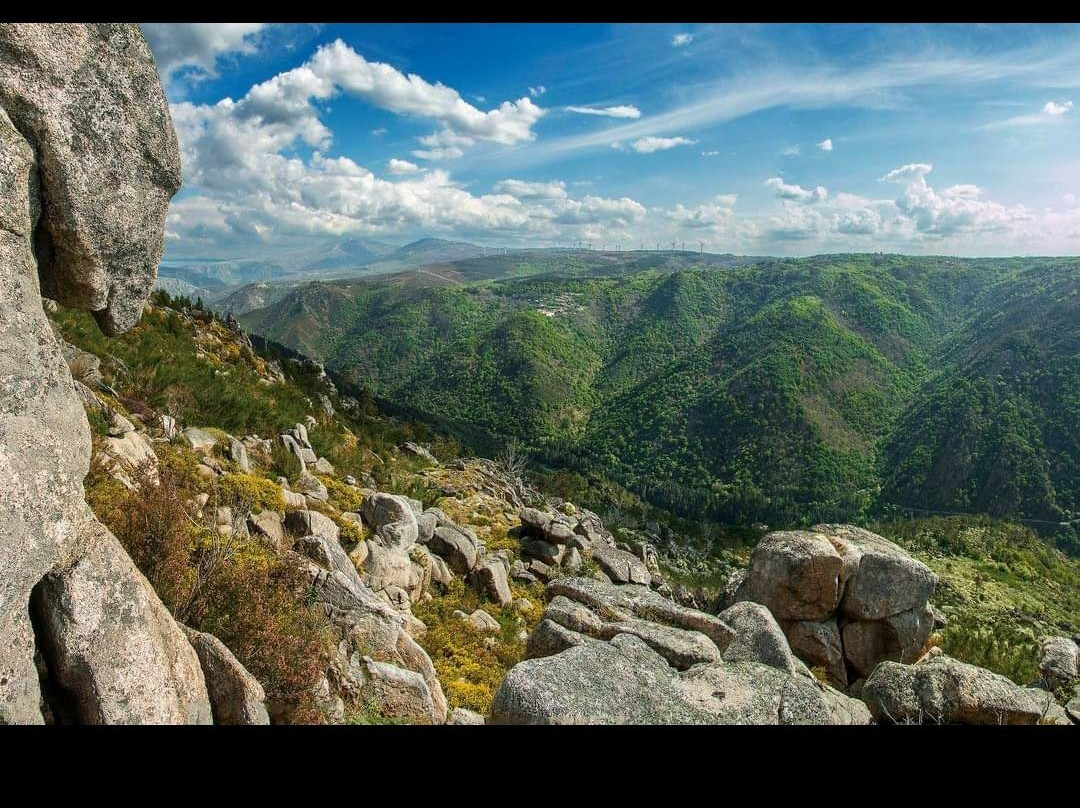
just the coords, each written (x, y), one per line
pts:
(90, 98)
(662, 663)
(236, 696)
(88, 163)
(796, 574)
(937, 689)
(114, 653)
(846, 598)
(1059, 658)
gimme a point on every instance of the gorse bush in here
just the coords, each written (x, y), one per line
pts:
(248, 493)
(469, 667)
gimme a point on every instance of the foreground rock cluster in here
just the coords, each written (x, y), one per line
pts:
(623, 654)
(846, 598)
(837, 597)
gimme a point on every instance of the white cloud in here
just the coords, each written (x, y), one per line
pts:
(339, 66)
(792, 151)
(1051, 111)
(648, 145)
(908, 173)
(1069, 199)
(624, 111)
(531, 190)
(679, 40)
(714, 215)
(826, 145)
(710, 153)
(197, 46)
(379, 132)
(536, 92)
(796, 193)
(596, 210)
(958, 209)
(396, 166)
(244, 185)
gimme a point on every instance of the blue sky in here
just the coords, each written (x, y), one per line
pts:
(762, 139)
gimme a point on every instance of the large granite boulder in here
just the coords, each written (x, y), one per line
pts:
(796, 574)
(1059, 658)
(114, 653)
(881, 579)
(235, 695)
(90, 98)
(941, 690)
(845, 598)
(392, 519)
(88, 163)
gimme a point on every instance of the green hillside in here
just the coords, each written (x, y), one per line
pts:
(785, 391)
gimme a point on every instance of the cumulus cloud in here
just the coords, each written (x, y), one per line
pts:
(338, 66)
(826, 144)
(713, 215)
(959, 209)
(679, 40)
(396, 166)
(648, 145)
(625, 111)
(531, 190)
(197, 46)
(596, 210)
(796, 193)
(1056, 110)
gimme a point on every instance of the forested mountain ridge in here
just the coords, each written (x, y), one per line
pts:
(786, 390)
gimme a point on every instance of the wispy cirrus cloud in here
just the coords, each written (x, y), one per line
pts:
(1051, 112)
(622, 111)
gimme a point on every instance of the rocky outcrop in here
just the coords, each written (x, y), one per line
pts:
(845, 598)
(612, 654)
(88, 163)
(366, 626)
(941, 690)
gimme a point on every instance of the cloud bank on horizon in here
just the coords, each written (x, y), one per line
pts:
(958, 140)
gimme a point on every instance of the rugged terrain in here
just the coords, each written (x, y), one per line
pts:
(197, 531)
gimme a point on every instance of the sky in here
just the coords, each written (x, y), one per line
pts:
(755, 139)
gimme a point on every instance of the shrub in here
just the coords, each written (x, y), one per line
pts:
(350, 532)
(343, 496)
(229, 586)
(248, 493)
(469, 670)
